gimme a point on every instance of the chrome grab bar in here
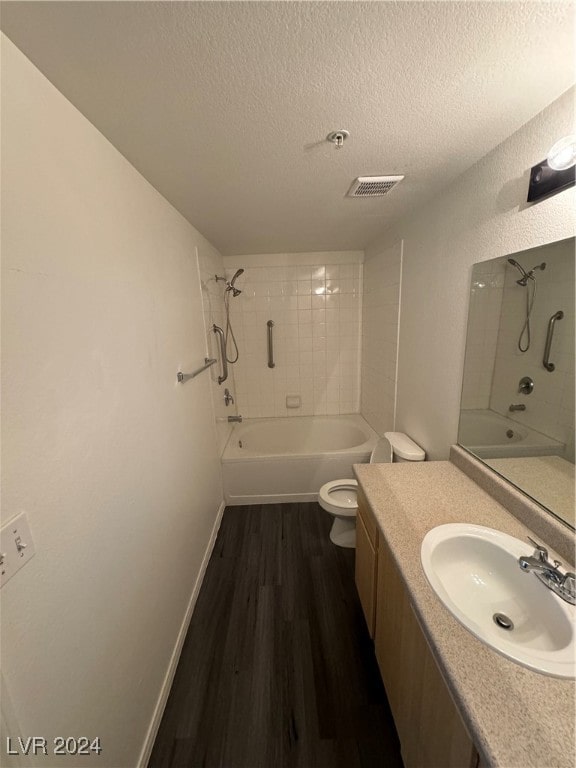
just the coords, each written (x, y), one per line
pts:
(271, 363)
(546, 361)
(220, 333)
(208, 361)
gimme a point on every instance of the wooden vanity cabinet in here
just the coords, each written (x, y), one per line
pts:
(431, 732)
(366, 558)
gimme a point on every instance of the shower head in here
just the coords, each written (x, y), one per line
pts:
(538, 266)
(230, 284)
(526, 275)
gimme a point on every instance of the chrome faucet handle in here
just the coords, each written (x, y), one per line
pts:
(568, 588)
(540, 551)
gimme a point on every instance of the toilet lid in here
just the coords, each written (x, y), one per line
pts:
(339, 497)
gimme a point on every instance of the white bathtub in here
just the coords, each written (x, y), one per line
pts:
(269, 461)
(492, 436)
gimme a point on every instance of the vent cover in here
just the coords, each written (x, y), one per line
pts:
(373, 186)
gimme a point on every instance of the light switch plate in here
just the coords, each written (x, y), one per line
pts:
(16, 547)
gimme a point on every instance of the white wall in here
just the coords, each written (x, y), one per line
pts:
(315, 302)
(115, 463)
(380, 308)
(480, 216)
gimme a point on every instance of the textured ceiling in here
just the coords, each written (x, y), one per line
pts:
(223, 107)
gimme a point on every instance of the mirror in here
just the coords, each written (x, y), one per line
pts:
(517, 407)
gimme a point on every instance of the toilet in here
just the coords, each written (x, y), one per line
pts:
(339, 497)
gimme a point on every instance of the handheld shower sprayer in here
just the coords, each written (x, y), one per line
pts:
(523, 281)
(230, 289)
(526, 275)
(230, 284)
(521, 270)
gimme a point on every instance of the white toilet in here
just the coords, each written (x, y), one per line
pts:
(339, 497)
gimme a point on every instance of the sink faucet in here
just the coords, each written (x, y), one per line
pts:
(562, 584)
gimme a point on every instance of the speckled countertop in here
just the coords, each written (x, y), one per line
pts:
(550, 479)
(517, 718)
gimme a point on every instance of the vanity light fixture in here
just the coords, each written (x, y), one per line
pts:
(556, 173)
(563, 154)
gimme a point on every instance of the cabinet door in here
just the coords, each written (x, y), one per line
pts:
(365, 573)
(390, 635)
(428, 724)
(368, 518)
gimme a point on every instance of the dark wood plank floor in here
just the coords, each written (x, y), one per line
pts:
(277, 669)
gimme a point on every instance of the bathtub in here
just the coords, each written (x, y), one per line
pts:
(271, 461)
(492, 436)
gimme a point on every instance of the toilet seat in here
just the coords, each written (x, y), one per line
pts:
(340, 497)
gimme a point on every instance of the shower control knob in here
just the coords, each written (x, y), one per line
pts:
(525, 385)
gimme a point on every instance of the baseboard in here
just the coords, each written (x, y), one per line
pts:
(276, 498)
(170, 672)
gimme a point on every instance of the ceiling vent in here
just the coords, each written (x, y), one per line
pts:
(373, 186)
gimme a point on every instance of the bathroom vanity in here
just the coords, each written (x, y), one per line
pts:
(456, 702)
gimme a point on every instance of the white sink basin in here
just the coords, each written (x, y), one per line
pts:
(475, 572)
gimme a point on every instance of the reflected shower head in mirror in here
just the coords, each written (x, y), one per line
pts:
(530, 275)
(526, 275)
(525, 338)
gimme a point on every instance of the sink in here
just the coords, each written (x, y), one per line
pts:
(474, 571)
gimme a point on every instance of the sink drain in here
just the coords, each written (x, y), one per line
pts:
(503, 621)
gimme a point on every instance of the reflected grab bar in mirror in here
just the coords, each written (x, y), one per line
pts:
(220, 333)
(270, 325)
(546, 361)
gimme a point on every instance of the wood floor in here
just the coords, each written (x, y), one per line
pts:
(277, 669)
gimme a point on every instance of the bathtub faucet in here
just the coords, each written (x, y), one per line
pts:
(520, 407)
(235, 418)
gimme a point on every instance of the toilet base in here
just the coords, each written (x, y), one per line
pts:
(343, 532)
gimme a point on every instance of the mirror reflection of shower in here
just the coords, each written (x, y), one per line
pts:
(527, 281)
(230, 290)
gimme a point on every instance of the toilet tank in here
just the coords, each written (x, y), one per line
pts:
(404, 449)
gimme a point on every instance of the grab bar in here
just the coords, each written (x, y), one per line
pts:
(546, 361)
(208, 361)
(220, 333)
(271, 363)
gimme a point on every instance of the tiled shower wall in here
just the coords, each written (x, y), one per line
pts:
(210, 264)
(482, 336)
(381, 301)
(315, 302)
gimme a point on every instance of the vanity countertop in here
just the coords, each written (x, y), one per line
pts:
(516, 717)
(550, 479)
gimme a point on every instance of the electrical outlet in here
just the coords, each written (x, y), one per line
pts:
(16, 547)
